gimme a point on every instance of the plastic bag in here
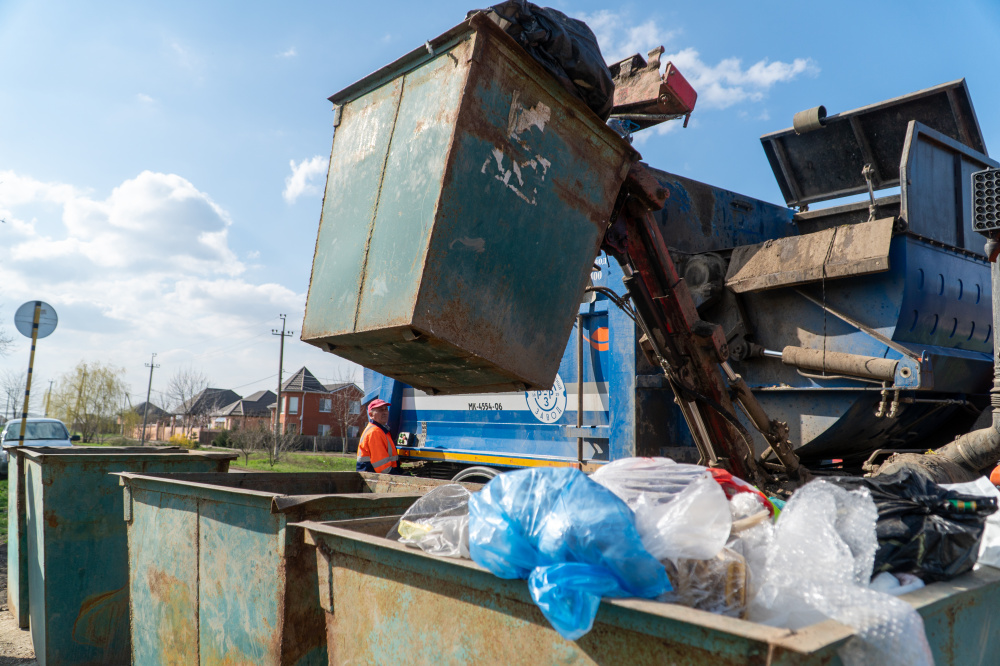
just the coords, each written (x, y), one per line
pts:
(680, 510)
(819, 564)
(717, 585)
(564, 46)
(896, 584)
(989, 546)
(529, 519)
(924, 529)
(438, 522)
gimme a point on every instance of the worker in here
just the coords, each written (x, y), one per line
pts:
(377, 451)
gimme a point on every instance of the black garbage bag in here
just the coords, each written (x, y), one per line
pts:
(565, 46)
(922, 528)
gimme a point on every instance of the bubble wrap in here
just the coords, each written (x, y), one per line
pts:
(818, 566)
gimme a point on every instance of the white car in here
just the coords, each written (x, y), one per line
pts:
(39, 432)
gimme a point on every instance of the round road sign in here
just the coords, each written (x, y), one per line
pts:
(25, 317)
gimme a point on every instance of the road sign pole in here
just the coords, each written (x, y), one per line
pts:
(31, 365)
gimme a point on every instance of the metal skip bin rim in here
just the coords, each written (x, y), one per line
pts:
(828, 634)
(280, 502)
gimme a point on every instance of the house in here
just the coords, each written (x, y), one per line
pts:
(154, 415)
(197, 410)
(246, 412)
(310, 408)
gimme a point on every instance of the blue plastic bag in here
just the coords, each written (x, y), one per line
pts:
(537, 522)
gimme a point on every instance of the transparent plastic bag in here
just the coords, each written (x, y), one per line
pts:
(538, 518)
(437, 523)
(658, 480)
(819, 565)
(718, 585)
(680, 510)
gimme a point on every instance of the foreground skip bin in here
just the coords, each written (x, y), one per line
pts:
(386, 603)
(467, 195)
(218, 576)
(75, 567)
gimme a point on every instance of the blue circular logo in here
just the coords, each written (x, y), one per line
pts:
(548, 406)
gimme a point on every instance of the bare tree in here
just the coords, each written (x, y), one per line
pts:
(250, 440)
(278, 445)
(181, 390)
(6, 341)
(345, 404)
(12, 386)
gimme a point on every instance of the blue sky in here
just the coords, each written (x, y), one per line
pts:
(161, 164)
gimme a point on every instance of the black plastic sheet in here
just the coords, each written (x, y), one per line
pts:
(923, 528)
(565, 46)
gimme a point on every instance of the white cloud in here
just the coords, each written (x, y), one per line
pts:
(301, 180)
(144, 98)
(290, 53)
(619, 39)
(148, 267)
(719, 86)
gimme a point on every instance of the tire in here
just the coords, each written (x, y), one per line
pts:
(476, 474)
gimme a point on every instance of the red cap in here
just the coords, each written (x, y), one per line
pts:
(995, 476)
(376, 403)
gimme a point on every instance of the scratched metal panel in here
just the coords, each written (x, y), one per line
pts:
(490, 205)
(17, 542)
(360, 145)
(389, 604)
(514, 242)
(77, 548)
(241, 583)
(410, 188)
(242, 587)
(163, 591)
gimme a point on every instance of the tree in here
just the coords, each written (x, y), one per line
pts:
(6, 341)
(250, 440)
(12, 386)
(182, 388)
(89, 399)
(278, 445)
(345, 405)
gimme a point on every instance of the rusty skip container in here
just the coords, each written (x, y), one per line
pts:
(467, 195)
(217, 575)
(75, 564)
(386, 603)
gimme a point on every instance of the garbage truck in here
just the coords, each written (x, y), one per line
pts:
(523, 290)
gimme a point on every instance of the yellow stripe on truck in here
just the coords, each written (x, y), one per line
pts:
(449, 456)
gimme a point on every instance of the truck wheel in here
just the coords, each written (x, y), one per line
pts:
(476, 474)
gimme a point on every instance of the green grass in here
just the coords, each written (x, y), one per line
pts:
(299, 462)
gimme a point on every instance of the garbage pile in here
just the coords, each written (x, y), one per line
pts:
(699, 537)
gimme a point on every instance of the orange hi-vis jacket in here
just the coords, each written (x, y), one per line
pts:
(376, 447)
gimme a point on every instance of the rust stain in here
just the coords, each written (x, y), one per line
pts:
(176, 632)
(51, 519)
(103, 623)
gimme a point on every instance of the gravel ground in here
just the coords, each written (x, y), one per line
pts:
(15, 643)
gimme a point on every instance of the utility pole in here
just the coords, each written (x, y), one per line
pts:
(281, 369)
(48, 395)
(145, 410)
